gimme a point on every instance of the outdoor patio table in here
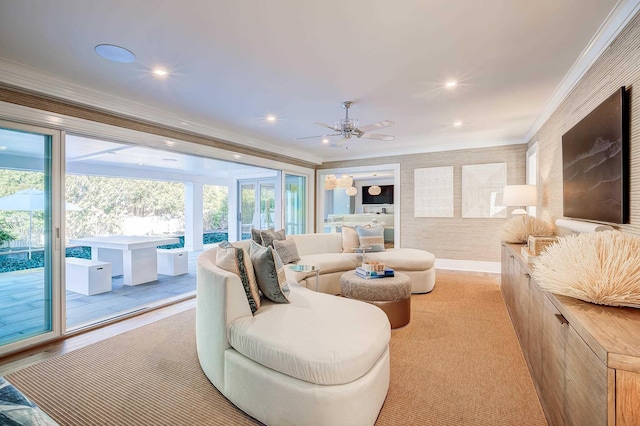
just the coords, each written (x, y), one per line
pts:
(133, 257)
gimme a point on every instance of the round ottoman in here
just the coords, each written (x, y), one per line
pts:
(391, 294)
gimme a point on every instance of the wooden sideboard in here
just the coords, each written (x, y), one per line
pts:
(584, 359)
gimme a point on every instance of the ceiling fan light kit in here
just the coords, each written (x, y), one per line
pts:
(347, 128)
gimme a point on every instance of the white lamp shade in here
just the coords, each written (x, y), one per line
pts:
(330, 182)
(345, 182)
(374, 190)
(351, 191)
(520, 196)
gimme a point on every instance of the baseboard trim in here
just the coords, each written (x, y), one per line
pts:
(469, 265)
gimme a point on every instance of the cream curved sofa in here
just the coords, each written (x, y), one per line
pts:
(319, 360)
(325, 252)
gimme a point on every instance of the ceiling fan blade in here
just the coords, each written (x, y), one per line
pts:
(326, 125)
(377, 137)
(378, 125)
(338, 143)
(318, 136)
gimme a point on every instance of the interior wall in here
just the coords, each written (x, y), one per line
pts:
(618, 66)
(450, 238)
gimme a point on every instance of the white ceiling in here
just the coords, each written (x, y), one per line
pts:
(233, 63)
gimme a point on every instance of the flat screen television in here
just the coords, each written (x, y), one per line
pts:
(385, 197)
(595, 163)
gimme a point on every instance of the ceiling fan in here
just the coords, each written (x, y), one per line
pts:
(348, 128)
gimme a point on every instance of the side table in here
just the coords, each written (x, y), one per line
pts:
(363, 250)
(307, 268)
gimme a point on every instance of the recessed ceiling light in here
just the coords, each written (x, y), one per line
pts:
(160, 72)
(237, 156)
(451, 84)
(457, 123)
(170, 143)
(271, 118)
(2, 147)
(325, 141)
(114, 53)
(140, 164)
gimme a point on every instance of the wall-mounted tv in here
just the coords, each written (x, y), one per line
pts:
(595, 163)
(385, 196)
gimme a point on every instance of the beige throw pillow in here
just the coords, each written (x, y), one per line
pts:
(350, 239)
(236, 260)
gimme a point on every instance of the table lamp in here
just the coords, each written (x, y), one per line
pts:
(519, 196)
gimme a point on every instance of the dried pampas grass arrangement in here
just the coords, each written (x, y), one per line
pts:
(602, 268)
(517, 230)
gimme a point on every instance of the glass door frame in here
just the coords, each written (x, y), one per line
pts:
(258, 182)
(307, 202)
(49, 121)
(319, 185)
(56, 227)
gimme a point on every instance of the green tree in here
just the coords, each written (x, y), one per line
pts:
(216, 207)
(106, 202)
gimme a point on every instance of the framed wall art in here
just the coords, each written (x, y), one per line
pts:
(482, 186)
(433, 192)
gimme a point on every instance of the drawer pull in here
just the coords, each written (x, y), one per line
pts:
(526, 274)
(99, 269)
(561, 319)
(511, 256)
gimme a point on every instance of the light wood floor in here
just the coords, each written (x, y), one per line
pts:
(11, 363)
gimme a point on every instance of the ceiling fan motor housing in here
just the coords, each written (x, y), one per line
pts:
(347, 125)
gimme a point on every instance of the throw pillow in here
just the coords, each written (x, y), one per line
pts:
(371, 236)
(255, 236)
(237, 260)
(269, 273)
(269, 236)
(287, 250)
(350, 239)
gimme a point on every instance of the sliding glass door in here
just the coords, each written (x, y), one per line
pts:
(256, 206)
(295, 207)
(29, 247)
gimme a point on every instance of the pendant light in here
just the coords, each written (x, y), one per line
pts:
(374, 190)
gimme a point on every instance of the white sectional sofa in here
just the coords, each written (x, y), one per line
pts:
(326, 252)
(319, 360)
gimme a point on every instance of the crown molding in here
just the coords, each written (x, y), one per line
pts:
(36, 81)
(619, 17)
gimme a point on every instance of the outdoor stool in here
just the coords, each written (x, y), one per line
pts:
(173, 261)
(87, 276)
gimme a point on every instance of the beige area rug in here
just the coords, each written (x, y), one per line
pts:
(456, 363)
